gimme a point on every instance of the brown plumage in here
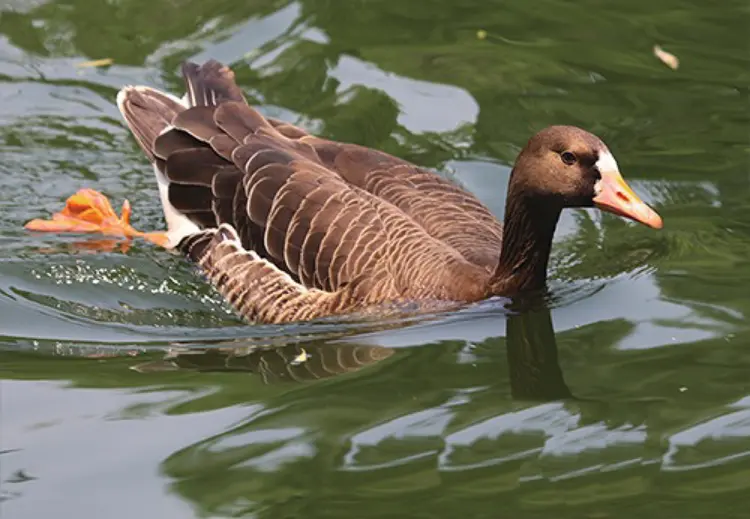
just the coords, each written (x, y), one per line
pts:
(289, 226)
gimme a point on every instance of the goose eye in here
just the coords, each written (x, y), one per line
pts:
(568, 158)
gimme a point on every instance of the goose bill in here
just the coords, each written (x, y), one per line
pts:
(615, 196)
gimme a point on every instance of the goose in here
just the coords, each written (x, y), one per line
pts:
(289, 226)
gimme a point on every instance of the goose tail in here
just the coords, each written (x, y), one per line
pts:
(151, 116)
(149, 113)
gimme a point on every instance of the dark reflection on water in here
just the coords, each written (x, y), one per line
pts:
(534, 371)
(123, 374)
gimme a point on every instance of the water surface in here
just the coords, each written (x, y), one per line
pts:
(129, 389)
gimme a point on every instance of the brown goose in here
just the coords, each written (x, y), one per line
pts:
(289, 226)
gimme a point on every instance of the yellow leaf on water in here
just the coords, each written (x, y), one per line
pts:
(301, 358)
(96, 63)
(667, 58)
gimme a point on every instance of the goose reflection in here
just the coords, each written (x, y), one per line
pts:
(533, 365)
(531, 346)
(420, 418)
(298, 362)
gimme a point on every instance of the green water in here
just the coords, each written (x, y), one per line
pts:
(626, 394)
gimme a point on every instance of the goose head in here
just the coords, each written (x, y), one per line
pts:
(566, 166)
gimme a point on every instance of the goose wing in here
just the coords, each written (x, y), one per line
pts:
(444, 210)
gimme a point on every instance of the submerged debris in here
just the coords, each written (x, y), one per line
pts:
(667, 58)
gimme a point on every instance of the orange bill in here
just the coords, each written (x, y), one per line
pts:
(615, 196)
(89, 211)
